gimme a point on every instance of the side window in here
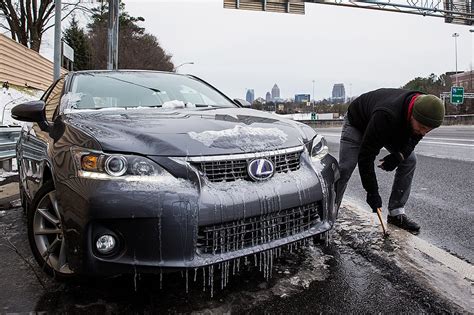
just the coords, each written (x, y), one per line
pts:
(52, 100)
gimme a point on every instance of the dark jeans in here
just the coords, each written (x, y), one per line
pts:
(351, 139)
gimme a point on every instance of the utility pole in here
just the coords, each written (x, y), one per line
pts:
(456, 35)
(113, 31)
(57, 40)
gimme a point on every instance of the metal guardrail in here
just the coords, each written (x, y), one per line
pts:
(8, 138)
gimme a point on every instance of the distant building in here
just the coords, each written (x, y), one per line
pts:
(338, 93)
(250, 97)
(302, 98)
(275, 92)
(268, 97)
(465, 79)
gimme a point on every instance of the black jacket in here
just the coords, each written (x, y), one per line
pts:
(381, 116)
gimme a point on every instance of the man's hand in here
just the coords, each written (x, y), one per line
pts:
(390, 162)
(374, 201)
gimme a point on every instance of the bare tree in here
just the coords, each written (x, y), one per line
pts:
(28, 20)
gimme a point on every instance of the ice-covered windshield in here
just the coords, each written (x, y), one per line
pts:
(98, 90)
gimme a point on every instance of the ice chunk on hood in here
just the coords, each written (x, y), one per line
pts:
(244, 137)
(173, 104)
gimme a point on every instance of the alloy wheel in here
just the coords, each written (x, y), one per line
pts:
(48, 234)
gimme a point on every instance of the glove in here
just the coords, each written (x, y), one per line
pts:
(374, 201)
(391, 161)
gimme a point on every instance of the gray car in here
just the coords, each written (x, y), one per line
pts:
(143, 171)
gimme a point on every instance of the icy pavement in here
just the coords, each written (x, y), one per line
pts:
(358, 271)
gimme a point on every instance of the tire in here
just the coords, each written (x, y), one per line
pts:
(45, 234)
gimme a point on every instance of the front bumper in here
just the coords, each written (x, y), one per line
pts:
(161, 225)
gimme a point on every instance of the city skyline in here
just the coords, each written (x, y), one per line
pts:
(269, 97)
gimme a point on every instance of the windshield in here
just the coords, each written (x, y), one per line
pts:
(98, 90)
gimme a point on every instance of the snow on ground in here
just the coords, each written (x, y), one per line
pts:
(4, 174)
(8, 99)
(11, 97)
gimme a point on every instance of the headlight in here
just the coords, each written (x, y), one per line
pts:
(100, 165)
(319, 148)
(116, 165)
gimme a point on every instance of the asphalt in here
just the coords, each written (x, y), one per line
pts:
(441, 199)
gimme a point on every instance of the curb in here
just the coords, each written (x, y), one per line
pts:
(425, 267)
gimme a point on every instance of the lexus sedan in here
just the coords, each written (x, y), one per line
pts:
(144, 171)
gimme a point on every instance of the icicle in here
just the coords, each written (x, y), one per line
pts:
(211, 279)
(225, 274)
(161, 279)
(195, 274)
(135, 278)
(204, 279)
(264, 265)
(187, 281)
(271, 263)
(222, 276)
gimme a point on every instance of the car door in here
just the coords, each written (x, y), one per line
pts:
(34, 144)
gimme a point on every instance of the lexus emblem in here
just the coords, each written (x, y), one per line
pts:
(261, 169)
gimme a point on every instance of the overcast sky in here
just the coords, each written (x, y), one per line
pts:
(237, 50)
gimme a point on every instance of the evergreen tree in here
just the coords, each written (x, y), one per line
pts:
(75, 37)
(137, 49)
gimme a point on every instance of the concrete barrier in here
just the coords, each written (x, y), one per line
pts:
(448, 121)
(458, 120)
(324, 123)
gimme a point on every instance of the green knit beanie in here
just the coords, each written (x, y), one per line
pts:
(428, 110)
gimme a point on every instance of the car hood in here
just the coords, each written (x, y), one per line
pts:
(189, 132)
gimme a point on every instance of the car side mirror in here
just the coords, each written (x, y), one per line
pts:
(242, 103)
(31, 112)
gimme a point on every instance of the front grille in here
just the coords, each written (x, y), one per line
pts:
(257, 230)
(231, 170)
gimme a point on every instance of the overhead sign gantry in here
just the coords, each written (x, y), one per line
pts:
(452, 11)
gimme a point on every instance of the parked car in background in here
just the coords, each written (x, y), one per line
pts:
(143, 171)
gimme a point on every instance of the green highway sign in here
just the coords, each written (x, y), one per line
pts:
(457, 95)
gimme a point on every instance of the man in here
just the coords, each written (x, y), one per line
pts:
(396, 119)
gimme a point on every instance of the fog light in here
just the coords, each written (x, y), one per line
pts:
(105, 244)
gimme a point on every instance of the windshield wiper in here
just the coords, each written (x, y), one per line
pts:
(133, 83)
(204, 105)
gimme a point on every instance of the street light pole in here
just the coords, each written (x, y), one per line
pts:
(112, 33)
(456, 35)
(57, 40)
(184, 63)
(472, 48)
